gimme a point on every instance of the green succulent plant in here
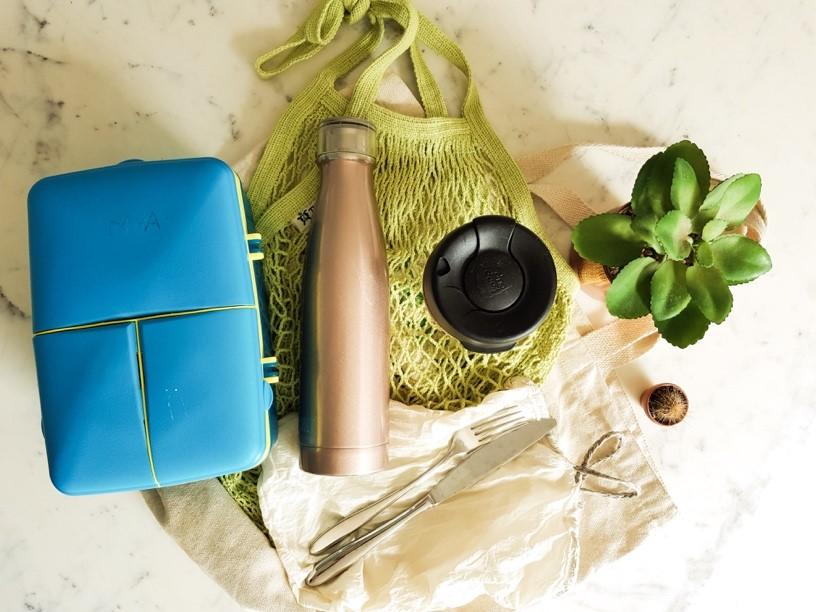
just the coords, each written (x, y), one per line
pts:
(672, 249)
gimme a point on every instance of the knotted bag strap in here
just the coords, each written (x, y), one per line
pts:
(317, 32)
(322, 26)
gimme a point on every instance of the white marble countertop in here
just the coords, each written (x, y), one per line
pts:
(93, 82)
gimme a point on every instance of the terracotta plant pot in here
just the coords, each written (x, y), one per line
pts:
(665, 404)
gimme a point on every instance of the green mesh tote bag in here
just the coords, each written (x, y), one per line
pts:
(434, 173)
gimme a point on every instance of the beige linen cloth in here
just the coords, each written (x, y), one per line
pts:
(597, 434)
(511, 539)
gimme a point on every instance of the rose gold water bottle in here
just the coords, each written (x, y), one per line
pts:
(344, 371)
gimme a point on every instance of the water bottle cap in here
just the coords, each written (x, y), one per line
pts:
(350, 135)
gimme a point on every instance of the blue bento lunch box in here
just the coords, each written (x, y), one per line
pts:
(153, 361)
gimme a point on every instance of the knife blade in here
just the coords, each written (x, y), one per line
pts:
(476, 466)
(489, 457)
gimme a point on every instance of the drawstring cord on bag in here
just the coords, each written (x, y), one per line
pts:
(597, 453)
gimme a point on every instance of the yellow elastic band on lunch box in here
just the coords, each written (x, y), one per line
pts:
(144, 404)
(165, 315)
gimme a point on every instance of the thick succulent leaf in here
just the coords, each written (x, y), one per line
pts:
(607, 239)
(713, 228)
(652, 190)
(739, 259)
(669, 292)
(687, 150)
(672, 232)
(685, 190)
(684, 329)
(703, 255)
(733, 199)
(740, 199)
(711, 203)
(630, 293)
(709, 292)
(649, 194)
(643, 226)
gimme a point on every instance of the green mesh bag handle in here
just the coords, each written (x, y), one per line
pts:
(434, 173)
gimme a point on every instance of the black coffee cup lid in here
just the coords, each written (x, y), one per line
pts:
(490, 283)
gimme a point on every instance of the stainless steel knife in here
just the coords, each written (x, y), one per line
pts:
(471, 470)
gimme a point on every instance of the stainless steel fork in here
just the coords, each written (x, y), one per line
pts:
(463, 441)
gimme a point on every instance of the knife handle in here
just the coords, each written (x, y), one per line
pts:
(347, 555)
(327, 541)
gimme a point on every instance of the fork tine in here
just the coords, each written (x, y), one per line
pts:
(492, 436)
(496, 416)
(497, 419)
(498, 425)
(501, 428)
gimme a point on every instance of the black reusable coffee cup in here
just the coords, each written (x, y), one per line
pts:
(490, 283)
